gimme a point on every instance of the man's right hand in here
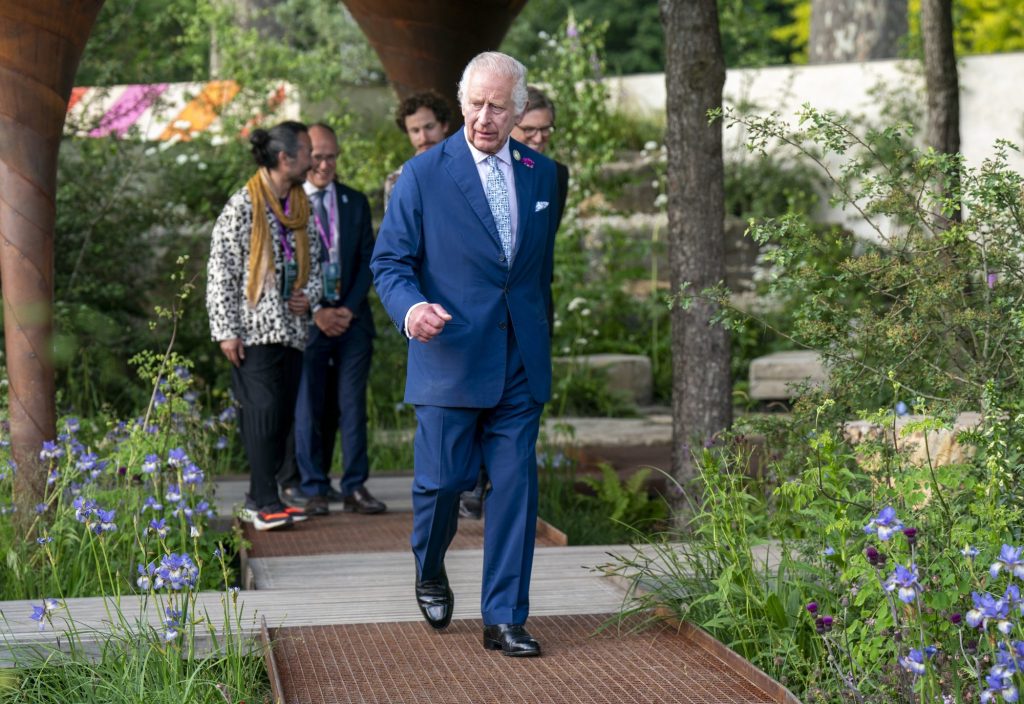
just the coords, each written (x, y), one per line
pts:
(333, 321)
(426, 322)
(233, 350)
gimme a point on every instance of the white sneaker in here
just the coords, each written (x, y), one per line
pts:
(265, 520)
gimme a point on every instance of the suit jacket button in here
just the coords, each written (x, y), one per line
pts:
(501, 258)
(502, 325)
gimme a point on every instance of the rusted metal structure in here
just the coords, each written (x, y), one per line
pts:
(41, 43)
(426, 43)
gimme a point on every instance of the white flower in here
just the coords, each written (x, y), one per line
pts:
(150, 151)
(585, 312)
(201, 166)
(575, 303)
(650, 146)
(661, 201)
(181, 159)
(181, 124)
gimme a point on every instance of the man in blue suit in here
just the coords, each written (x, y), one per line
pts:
(463, 265)
(336, 362)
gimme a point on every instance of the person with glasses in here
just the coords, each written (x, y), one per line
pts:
(336, 363)
(534, 130)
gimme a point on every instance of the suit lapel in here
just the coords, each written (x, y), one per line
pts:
(526, 183)
(459, 164)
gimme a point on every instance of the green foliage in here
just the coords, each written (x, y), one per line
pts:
(615, 512)
(628, 502)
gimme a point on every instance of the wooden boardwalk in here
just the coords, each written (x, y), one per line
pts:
(354, 601)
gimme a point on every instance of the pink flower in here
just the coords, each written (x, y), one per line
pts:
(528, 162)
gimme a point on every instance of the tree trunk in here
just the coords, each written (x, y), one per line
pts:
(857, 30)
(40, 46)
(941, 76)
(694, 77)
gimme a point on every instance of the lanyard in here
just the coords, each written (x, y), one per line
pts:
(332, 216)
(289, 254)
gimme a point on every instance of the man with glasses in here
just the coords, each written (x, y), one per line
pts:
(336, 362)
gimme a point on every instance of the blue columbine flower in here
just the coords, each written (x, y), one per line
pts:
(150, 464)
(42, 613)
(159, 527)
(969, 552)
(44, 541)
(987, 608)
(997, 684)
(1010, 558)
(901, 408)
(84, 508)
(177, 457)
(914, 662)
(885, 524)
(152, 503)
(86, 462)
(176, 571)
(182, 372)
(145, 580)
(71, 425)
(103, 523)
(51, 451)
(41, 508)
(228, 414)
(906, 581)
(173, 494)
(222, 443)
(191, 475)
(52, 477)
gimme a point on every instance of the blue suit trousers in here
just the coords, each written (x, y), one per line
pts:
(450, 444)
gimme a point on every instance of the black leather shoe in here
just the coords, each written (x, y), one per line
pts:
(511, 639)
(470, 506)
(335, 496)
(436, 600)
(362, 501)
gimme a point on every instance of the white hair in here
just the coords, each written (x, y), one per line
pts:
(496, 63)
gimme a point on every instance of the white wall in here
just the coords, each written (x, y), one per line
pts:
(991, 100)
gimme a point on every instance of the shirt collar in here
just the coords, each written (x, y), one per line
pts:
(310, 189)
(478, 156)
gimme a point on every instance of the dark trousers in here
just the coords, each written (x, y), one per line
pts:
(265, 385)
(348, 357)
(450, 445)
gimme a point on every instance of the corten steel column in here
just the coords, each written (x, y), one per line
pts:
(41, 43)
(426, 43)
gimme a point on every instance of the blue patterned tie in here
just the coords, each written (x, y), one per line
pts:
(497, 198)
(325, 222)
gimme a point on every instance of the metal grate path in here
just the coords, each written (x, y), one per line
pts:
(407, 662)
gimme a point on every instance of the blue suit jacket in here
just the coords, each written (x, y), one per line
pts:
(438, 243)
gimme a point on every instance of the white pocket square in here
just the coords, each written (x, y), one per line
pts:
(541, 204)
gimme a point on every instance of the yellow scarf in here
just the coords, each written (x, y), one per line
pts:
(261, 257)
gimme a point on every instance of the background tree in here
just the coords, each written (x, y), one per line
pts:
(941, 80)
(856, 31)
(694, 77)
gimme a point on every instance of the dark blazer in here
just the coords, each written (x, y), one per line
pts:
(438, 243)
(562, 175)
(356, 242)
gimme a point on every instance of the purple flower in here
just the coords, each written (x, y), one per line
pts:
(103, 523)
(41, 613)
(914, 662)
(812, 607)
(41, 508)
(991, 279)
(51, 451)
(173, 494)
(192, 475)
(176, 572)
(44, 541)
(955, 618)
(1010, 558)
(158, 527)
(52, 477)
(901, 409)
(969, 552)
(885, 524)
(84, 508)
(998, 684)
(177, 457)
(182, 372)
(71, 425)
(571, 31)
(222, 443)
(987, 608)
(905, 581)
(152, 503)
(528, 162)
(150, 464)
